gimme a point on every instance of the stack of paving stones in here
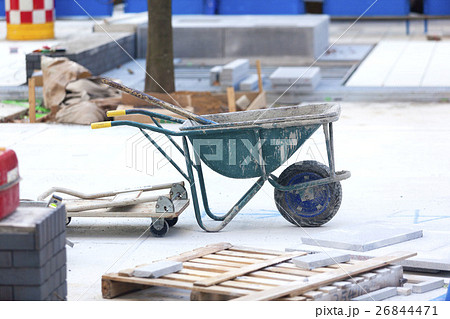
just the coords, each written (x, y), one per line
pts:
(296, 79)
(250, 83)
(33, 254)
(234, 72)
(97, 52)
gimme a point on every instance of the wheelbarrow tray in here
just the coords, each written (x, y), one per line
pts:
(230, 146)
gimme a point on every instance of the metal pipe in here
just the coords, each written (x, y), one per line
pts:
(104, 194)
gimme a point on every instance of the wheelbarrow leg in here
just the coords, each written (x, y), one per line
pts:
(328, 132)
(232, 212)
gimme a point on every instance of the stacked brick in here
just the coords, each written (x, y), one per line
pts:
(33, 254)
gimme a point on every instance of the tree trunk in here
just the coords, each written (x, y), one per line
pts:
(159, 59)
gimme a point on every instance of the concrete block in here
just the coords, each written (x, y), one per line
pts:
(404, 291)
(342, 284)
(363, 237)
(6, 293)
(328, 289)
(5, 259)
(198, 42)
(323, 259)
(426, 286)
(347, 290)
(214, 74)
(31, 258)
(22, 276)
(30, 293)
(378, 295)
(234, 72)
(158, 269)
(17, 241)
(426, 264)
(250, 83)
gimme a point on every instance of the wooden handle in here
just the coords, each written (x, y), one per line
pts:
(153, 100)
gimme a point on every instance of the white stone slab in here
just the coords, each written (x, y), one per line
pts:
(363, 237)
(426, 286)
(250, 83)
(323, 259)
(158, 269)
(298, 75)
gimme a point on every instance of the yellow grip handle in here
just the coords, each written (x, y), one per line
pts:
(100, 125)
(116, 113)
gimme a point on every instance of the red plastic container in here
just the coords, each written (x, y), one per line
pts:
(9, 182)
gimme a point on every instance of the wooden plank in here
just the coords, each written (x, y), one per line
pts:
(111, 289)
(231, 99)
(32, 99)
(291, 271)
(247, 269)
(315, 282)
(257, 250)
(217, 262)
(198, 273)
(274, 275)
(297, 298)
(208, 267)
(244, 285)
(194, 254)
(242, 254)
(240, 260)
(259, 274)
(200, 252)
(263, 281)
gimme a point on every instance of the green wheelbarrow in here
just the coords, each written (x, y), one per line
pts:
(253, 144)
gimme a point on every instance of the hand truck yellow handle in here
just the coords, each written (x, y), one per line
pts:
(100, 125)
(116, 113)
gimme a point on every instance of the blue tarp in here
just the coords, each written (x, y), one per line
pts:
(261, 7)
(436, 7)
(358, 7)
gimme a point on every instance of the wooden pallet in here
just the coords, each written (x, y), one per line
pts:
(223, 272)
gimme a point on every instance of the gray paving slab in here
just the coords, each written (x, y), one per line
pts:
(300, 76)
(363, 237)
(378, 295)
(427, 286)
(158, 269)
(323, 259)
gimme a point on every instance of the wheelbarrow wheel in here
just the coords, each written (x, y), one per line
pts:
(160, 231)
(172, 221)
(314, 206)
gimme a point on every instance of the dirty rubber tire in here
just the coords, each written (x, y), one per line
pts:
(309, 212)
(68, 220)
(172, 221)
(160, 232)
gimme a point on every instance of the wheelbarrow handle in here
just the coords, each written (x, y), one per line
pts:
(144, 112)
(143, 126)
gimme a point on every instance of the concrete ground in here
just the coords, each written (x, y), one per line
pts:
(397, 153)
